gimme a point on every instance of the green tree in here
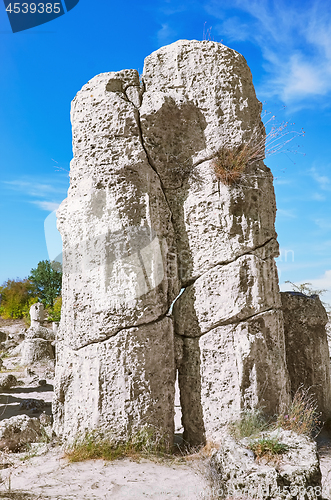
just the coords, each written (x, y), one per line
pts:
(47, 280)
(16, 298)
(55, 311)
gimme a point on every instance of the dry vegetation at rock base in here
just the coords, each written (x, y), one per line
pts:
(301, 417)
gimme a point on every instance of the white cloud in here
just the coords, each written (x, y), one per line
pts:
(50, 206)
(323, 181)
(318, 197)
(282, 182)
(32, 190)
(324, 224)
(295, 42)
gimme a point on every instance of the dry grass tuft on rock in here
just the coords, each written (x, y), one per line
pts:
(230, 163)
(302, 416)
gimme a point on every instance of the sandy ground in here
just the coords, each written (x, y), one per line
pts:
(52, 476)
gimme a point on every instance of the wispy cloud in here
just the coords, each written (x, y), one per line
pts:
(45, 195)
(323, 181)
(295, 41)
(282, 182)
(286, 213)
(32, 188)
(49, 206)
(165, 35)
(318, 197)
(324, 224)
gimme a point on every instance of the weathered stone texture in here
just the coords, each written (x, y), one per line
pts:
(307, 350)
(233, 367)
(137, 226)
(36, 349)
(237, 474)
(120, 384)
(37, 314)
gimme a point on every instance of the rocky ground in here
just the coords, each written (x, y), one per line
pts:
(44, 472)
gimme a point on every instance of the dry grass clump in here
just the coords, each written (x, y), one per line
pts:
(302, 415)
(148, 442)
(231, 162)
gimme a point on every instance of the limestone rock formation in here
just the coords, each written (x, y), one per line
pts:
(146, 217)
(297, 477)
(307, 350)
(16, 432)
(37, 345)
(37, 314)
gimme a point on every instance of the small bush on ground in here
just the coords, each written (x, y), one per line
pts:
(301, 417)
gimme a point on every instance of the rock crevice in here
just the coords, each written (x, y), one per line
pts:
(146, 216)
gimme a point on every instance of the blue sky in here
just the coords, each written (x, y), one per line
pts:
(288, 48)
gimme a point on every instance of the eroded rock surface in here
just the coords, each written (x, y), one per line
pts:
(37, 314)
(146, 217)
(307, 350)
(295, 476)
(39, 340)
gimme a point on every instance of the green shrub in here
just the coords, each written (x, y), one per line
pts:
(47, 279)
(54, 313)
(267, 447)
(251, 422)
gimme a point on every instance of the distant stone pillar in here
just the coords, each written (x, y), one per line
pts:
(37, 314)
(307, 350)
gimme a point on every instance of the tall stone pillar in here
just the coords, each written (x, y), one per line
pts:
(146, 217)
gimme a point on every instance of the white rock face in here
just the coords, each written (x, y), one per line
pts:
(36, 349)
(146, 216)
(20, 430)
(120, 384)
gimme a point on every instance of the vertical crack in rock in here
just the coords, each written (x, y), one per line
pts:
(137, 155)
(150, 161)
